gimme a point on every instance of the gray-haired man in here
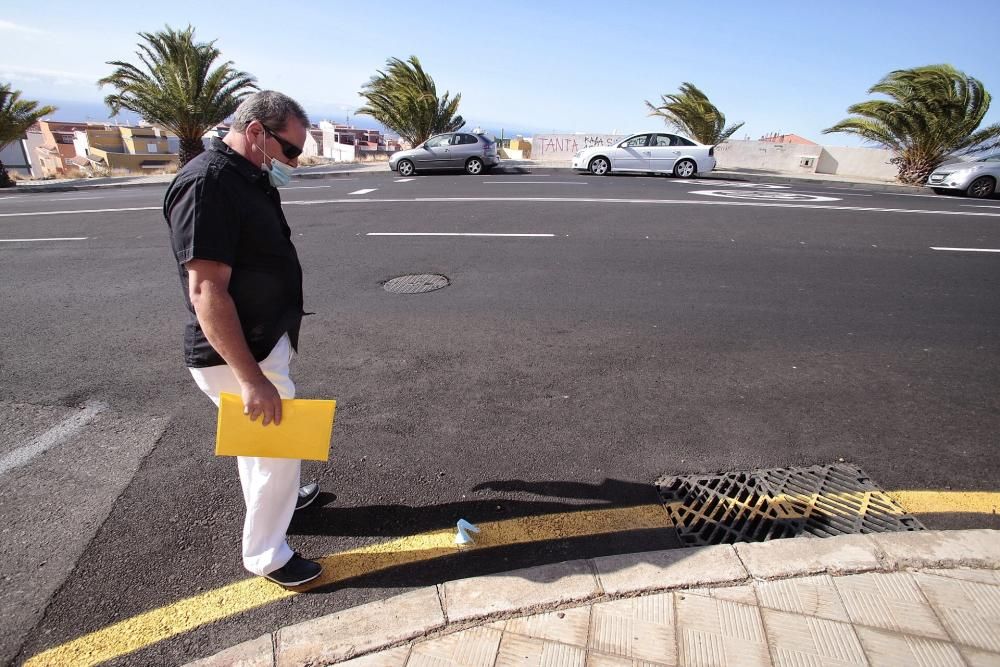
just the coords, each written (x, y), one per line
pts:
(242, 284)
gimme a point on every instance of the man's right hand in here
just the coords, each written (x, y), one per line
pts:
(260, 397)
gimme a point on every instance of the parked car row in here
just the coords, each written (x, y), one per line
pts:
(654, 152)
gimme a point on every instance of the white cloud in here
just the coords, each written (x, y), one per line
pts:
(13, 27)
(52, 76)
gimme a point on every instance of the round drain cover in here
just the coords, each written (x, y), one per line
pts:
(416, 283)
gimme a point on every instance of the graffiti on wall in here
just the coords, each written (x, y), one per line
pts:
(562, 146)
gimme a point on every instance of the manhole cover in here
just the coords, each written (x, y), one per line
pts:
(416, 283)
(760, 505)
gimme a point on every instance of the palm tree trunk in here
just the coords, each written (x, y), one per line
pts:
(5, 180)
(914, 170)
(190, 148)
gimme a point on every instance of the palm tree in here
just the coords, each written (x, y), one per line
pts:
(404, 99)
(178, 88)
(691, 112)
(16, 116)
(933, 114)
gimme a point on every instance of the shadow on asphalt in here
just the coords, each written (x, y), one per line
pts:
(405, 520)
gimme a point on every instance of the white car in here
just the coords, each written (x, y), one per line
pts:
(655, 152)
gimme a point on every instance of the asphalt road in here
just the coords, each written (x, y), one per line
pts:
(656, 326)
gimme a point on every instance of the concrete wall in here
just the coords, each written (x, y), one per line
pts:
(767, 156)
(864, 162)
(557, 147)
(868, 163)
(334, 151)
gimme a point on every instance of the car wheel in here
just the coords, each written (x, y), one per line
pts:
(982, 187)
(599, 166)
(685, 169)
(474, 166)
(405, 168)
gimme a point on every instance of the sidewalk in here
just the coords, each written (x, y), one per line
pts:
(915, 598)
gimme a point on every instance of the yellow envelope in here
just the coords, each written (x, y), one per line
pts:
(304, 433)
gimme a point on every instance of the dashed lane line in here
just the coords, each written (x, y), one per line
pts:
(967, 249)
(535, 183)
(452, 234)
(66, 238)
(82, 210)
(403, 180)
(978, 206)
(363, 191)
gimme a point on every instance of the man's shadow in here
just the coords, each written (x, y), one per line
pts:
(432, 565)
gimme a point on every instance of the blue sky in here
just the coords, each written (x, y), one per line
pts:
(533, 66)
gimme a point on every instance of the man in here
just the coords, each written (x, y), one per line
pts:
(243, 287)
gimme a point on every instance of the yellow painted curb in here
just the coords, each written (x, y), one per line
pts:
(156, 625)
(944, 502)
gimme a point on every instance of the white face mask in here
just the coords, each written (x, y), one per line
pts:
(279, 173)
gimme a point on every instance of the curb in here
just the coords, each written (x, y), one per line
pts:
(457, 605)
(518, 168)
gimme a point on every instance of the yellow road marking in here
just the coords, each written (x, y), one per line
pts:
(156, 625)
(930, 502)
(185, 615)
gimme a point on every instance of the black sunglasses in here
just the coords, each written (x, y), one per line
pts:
(290, 150)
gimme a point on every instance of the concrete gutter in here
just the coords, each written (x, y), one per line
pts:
(456, 605)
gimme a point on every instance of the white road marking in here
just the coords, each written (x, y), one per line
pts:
(968, 249)
(533, 183)
(12, 197)
(978, 206)
(766, 195)
(363, 191)
(904, 194)
(75, 198)
(580, 200)
(55, 435)
(68, 238)
(83, 210)
(403, 180)
(839, 194)
(305, 187)
(450, 234)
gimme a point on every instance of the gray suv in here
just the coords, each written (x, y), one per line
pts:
(474, 153)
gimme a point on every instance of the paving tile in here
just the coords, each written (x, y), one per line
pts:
(890, 601)
(518, 651)
(812, 596)
(810, 641)
(969, 610)
(570, 626)
(475, 647)
(256, 653)
(718, 632)
(361, 629)
(799, 556)
(991, 577)
(394, 657)
(977, 658)
(519, 590)
(674, 568)
(741, 594)
(595, 659)
(951, 548)
(886, 648)
(640, 628)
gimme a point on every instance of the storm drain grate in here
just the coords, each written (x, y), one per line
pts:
(415, 283)
(758, 505)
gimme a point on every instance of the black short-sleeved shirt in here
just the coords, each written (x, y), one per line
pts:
(221, 207)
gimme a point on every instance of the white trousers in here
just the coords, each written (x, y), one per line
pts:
(270, 486)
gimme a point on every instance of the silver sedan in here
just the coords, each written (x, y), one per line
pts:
(975, 178)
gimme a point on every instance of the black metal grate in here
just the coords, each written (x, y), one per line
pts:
(416, 283)
(760, 505)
